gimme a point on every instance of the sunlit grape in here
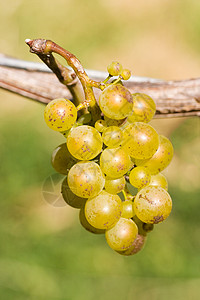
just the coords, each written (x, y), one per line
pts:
(137, 245)
(116, 102)
(161, 159)
(70, 198)
(84, 142)
(62, 160)
(127, 209)
(152, 204)
(115, 68)
(144, 108)
(140, 140)
(159, 180)
(125, 74)
(112, 136)
(104, 210)
(60, 114)
(84, 222)
(139, 177)
(122, 234)
(114, 186)
(115, 162)
(86, 179)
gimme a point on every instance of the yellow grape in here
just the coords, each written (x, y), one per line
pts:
(116, 102)
(62, 160)
(140, 140)
(70, 198)
(86, 179)
(161, 159)
(60, 114)
(115, 162)
(84, 142)
(112, 136)
(100, 125)
(122, 235)
(114, 185)
(144, 108)
(84, 222)
(159, 180)
(139, 177)
(138, 245)
(127, 209)
(125, 74)
(152, 204)
(114, 68)
(103, 210)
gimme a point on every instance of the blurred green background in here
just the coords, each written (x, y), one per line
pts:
(44, 252)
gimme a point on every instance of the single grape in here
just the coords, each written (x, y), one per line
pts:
(115, 68)
(84, 222)
(152, 204)
(112, 122)
(62, 160)
(70, 198)
(138, 245)
(115, 162)
(159, 180)
(86, 179)
(60, 114)
(112, 136)
(139, 177)
(161, 158)
(140, 140)
(144, 108)
(116, 102)
(100, 125)
(114, 186)
(84, 142)
(103, 210)
(127, 209)
(125, 74)
(122, 235)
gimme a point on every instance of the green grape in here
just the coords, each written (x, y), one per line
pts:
(116, 102)
(114, 186)
(139, 177)
(104, 210)
(140, 140)
(60, 114)
(127, 209)
(86, 179)
(125, 74)
(70, 198)
(115, 68)
(62, 160)
(161, 159)
(115, 162)
(144, 108)
(138, 245)
(112, 136)
(100, 125)
(122, 235)
(152, 204)
(84, 222)
(84, 142)
(159, 180)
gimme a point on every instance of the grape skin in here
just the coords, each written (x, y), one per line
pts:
(152, 204)
(140, 140)
(127, 209)
(116, 102)
(139, 177)
(84, 222)
(104, 210)
(114, 186)
(112, 136)
(138, 245)
(84, 142)
(70, 198)
(60, 114)
(122, 235)
(85, 179)
(114, 68)
(159, 180)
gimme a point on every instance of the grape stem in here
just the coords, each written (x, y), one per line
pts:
(45, 48)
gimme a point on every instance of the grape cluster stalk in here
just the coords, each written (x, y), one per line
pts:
(112, 159)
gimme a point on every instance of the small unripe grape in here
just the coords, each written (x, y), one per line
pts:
(116, 102)
(122, 235)
(60, 114)
(125, 74)
(127, 209)
(139, 177)
(86, 179)
(115, 68)
(152, 204)
(100, 125)
(103, 210)
(112, 136)
(114, 186)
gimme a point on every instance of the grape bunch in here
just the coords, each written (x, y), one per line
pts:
(113, 163)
